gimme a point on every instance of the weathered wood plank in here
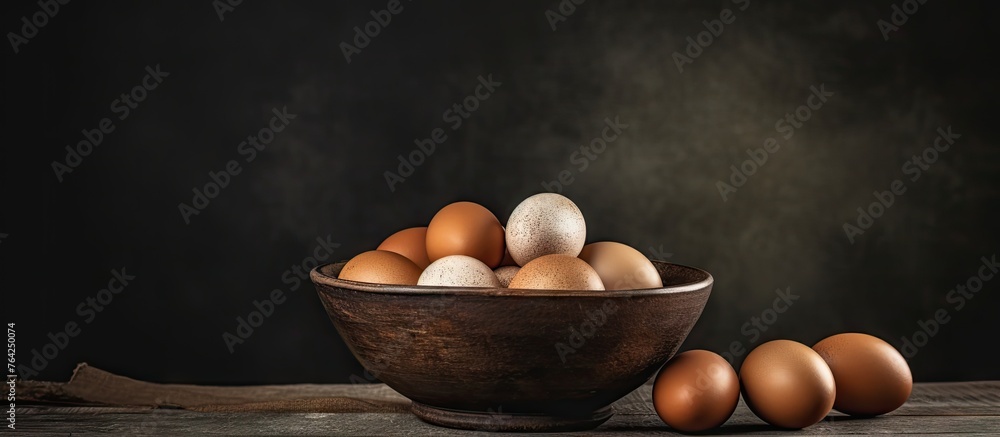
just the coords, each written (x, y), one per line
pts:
(951, 408)
(178, 422)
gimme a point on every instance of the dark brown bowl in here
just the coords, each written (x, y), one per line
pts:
(514, 360)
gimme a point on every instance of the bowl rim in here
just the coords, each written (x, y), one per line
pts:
(319, 277)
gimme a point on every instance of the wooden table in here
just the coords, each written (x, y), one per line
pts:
(950, 408)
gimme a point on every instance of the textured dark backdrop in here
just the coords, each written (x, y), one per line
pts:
(653, 187)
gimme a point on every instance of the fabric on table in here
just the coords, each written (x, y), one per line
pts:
(95, 387)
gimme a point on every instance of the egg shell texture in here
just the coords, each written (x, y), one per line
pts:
(695, 391)
(872, 377)
(620, 266)
(505, 274)
(381, 267)
(458, 271)
(545, 224)
(410, 243)
(466, 228)
(787, 384)
(557, 272)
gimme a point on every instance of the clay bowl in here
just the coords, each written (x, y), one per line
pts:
(514, 360)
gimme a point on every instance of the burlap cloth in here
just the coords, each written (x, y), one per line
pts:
(90, 386)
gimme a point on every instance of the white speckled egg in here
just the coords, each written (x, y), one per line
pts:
(545, 224)
(505, 274)
(458, 271)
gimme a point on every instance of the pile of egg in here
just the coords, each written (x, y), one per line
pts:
(785, 383)
(542, 247)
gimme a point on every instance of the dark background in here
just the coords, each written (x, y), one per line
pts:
(654, 187)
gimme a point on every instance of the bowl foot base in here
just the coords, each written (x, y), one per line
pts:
(509, 422)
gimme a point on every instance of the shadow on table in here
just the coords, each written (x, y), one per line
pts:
(743, 428)
(849, 418)
(724, 430)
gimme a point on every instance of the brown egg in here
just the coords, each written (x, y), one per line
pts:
(557, 272)
(381, 267)
(544, 224)
(458, 271)
(620, 266)
(410, 243)
(872, 377)
(466, 228)
(695, 391)
(787, 384)
(505, 274)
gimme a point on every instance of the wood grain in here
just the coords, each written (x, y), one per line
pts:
(945, 408)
